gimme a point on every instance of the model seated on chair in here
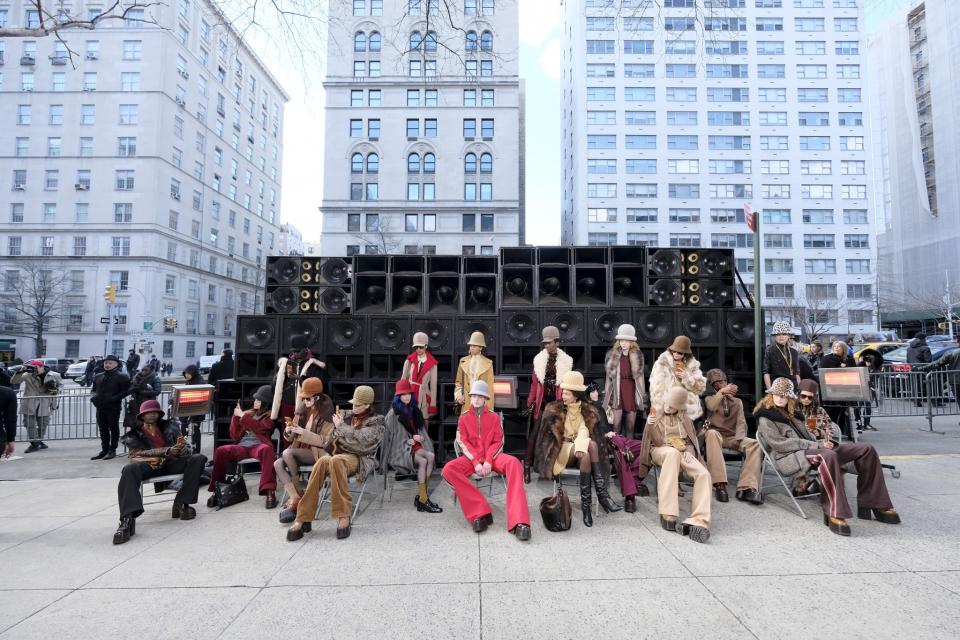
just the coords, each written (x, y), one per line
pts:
(352, 447)
(726, 428)
(669, 441)
(569, 437)
(407, 444)
(480, 438)
(156, 449)
(308, 433)
(795, 450)
(251, 431)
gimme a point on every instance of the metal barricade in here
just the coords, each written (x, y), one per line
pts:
(76, 417)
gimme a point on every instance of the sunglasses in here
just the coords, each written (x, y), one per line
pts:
(807, 396)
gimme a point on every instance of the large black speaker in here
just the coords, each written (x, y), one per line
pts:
(444, 265)
(346, 335)
(389, 334)
(520, 327)
(443, 293)
(629, 255)
(257, 334)
(665, 263)
(440, 332)
(283, 270)
(308, 326)
(701, 326)
(591, 255)
(604, 324)
(590, 285)
(480, 264)
(629, 285)
(517, 286)
(656, 328)
(510, 256)
(333, 300)
(554, 256)
(466, 325)
(739, 327)
(480, 293)
(370, 293)
(364, 263)
(554, 285)
(282, 300)
(406, 293)
(572, 324)
(712, 292)
(333, 271)
(407, 264)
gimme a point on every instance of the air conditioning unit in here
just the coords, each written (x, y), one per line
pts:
(88, 89)
(183, 74)
(58, 60)
(81, 187)
(180, 101)
(19, 187)
(92, 55)
(27, 60)
(175, 196)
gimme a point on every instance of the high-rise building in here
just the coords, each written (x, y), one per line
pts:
(678, 112)
(144, 153)
(915, 109)
(423, 141)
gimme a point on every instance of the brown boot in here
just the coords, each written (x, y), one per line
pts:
(720, 489)
(630, 504)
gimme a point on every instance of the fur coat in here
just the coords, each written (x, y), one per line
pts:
(305, 372)
(550, 437)
(663, 378)
(535, 398)
(611, 390)
(363, 441)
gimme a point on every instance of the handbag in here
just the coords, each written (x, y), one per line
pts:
(555, 511)
(232, 491)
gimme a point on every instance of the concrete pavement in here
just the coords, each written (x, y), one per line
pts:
(766, 573)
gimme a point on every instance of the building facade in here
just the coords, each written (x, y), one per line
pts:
(424, 145)
(677, 113)
(143, 153)
(291, 241)
(915, 109)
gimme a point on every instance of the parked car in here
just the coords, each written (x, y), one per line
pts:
(883, 347)
(76, 370)
(206, 362)
(60, 365)
(896, 360)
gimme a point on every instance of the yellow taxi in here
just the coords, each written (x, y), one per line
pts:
(882, 347)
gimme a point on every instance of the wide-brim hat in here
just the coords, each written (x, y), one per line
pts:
(477, 339)
(363, 395)
(420, 339)
(150, 406)
(626, 332)
(311, 387)
(573, 381)
(676, 399)
(681, 344)
(549, 334)
(403, 387)
(480, 388)
(782, 387)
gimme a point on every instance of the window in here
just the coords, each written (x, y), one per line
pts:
(847, 48)
(815, 167)
(769, 24)
(673, 166)
(601, 239)
(820, 266)
(852, 167)
(818, 216)
(641, 215)
(778, 265)
(469, 127)
(807, 25)
(730, 166)
(120, 246)
(601, 215)
(731, 240)
(640, 118)
(776, 216)
(816, 191)
(486, 127)
(635, 70)
(770, 47)
(130, 81)
(853, 191)
(773, 118)
(631, 23)
(129, 114)
(681, 118)
(600, 47)
(601, 70)
(721, 71)
(774, 94)
(601, 166)
(124, 179)
(860, 316)
(855, 216)
(844, 24)
(727, 216)
(771, 71)
(646, 46)
(728, 118)
(601, 142)
(56, 114)
(683, 190)
(601, 190)
(684, 239)
(723, 143)
(848, 95)
(811, 48)
(856, 241)
(596, 94)
(638, 190)
(600, 117)
(684, 215)
(682, 142)
(853, 119)
(818, 241)
(815, 143)
(123, 212)
(469, 222)
(860, 291)
(813, 119)
(731, 191)
(858, 266)
(674, 94)
(51, 179)
(373, 128)
(811, 71)
(777, 241)
(779, 291)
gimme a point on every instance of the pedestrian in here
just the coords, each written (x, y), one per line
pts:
(8, 419)
(144, 386)
(40, 399)
(133, 363)
(89, 371)
(222, 369)
(918, 352)
(949, 361)
(109, 389)
(815, 355)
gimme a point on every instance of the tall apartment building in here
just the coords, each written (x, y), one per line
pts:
(915, 109)
(678, 112)
(151, 161)
(424, 143)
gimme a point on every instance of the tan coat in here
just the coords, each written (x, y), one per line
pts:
(317, 437)
(732, 426)
(653, 438)
(465, 380)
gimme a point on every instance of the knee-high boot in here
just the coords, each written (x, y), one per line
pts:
(586, 499)
(603, 496)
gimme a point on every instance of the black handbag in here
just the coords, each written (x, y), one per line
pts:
(232, 491)
(555, 511)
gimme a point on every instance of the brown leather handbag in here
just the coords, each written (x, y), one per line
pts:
(555, 511)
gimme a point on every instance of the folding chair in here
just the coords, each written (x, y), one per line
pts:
(477, 479)
(768, 461)
(358, 491)
(159, 479)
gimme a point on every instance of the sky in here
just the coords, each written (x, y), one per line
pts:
(540, 68)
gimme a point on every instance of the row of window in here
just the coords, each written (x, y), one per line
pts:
(425, 68)
(686, 191)
(692, 167)
(769, 71)
(416, 222)
(421, 191)
(691, 142)
(725, 118)
(820, 291)
(679, 24)
(425, 126)
(724, 94)
(736, 215)
(427, 163)
(717, 24)
(421, 98)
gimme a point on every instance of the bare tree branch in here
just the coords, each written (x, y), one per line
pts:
(39, 298)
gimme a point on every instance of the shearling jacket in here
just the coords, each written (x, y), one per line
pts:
(663, 378)
(611, 390)
(362, 441)
(464, 380)
(312, 368)
(564, 366)
(787, 440)
(550, 437)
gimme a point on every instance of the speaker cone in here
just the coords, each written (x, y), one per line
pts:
(521, 327)
(409, 293)
(665, 263)
(715, 264)
(698, 326)
(334, 300)
(665, 293)
(284, 299)
(586, 286)
(570, 326)
(258, 333)
(622, 285)
(517, 286)
(285, 270)
(605, 325)
(309, 329)
(446, 294)
(740, 327)
(481, 294)
(389, 335)
(335, 271)
(716, 293)
(655, 327)
(438, 334)
(345, 333)
(550, 286)
(375, 294)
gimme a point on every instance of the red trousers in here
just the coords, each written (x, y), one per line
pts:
(225, 454)
(457, 473)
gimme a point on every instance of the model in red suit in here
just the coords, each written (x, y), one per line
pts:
(480, 438)
(251, 431)
(550, 365)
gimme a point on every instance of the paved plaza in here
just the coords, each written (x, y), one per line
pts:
(766, 573)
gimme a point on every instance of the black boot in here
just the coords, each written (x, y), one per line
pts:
(125, 530)
(603, 496)
(586, 499)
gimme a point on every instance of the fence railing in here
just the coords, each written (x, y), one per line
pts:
(76, 417)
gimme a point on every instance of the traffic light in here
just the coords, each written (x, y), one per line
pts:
(170, 323)
(110, 294)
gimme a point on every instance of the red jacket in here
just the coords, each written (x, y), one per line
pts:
(480, 438)
(262, 428)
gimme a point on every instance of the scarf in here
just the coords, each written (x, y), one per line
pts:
(357, 419)
(474, 366)
(405, 414)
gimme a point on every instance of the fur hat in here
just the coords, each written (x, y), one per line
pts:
(781, 328)
(480, 388)
(676, 399)
(715, 375)
(782, 387)
(573, 381)
(477, 340)
(311, 387)
(420, 339)
(681, 344)
(363, 395)
(113, 358)
(550, 333)
(626, 332)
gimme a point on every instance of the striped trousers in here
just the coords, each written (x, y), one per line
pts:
(871, 488)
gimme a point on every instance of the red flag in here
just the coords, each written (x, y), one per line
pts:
(751, 217)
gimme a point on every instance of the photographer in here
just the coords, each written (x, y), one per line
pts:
(39, 400)
(109, 389)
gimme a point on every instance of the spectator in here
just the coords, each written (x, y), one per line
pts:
(918, 352)
(222, 369)
(39, 400)
(5, 377)
(815, 355)
(8, 419)
(144, 386)
(89, 372)
(109, 389)
(133, 363)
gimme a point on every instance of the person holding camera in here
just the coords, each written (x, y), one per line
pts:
(108, 391)
(41, 397)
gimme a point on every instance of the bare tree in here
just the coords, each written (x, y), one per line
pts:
(815, 315)
(940, 305)
(38, 296)
(384, 238)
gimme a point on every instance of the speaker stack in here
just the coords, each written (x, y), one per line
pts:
(691, 278)
(307, 285)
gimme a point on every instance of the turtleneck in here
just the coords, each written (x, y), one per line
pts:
(573, 420)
